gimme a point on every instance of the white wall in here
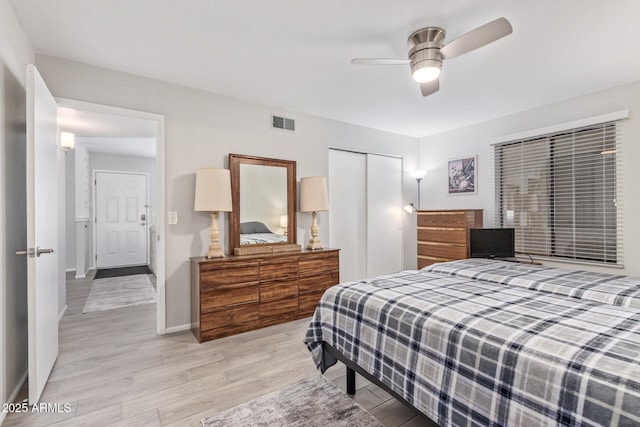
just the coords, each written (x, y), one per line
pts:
(70, 218)
(15, 52)
(200, 130)
(435, 150)
(62, 226)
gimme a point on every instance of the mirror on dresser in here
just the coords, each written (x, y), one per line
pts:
(263, 218)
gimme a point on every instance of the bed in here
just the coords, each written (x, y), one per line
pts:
(256, 233)
(468, 344)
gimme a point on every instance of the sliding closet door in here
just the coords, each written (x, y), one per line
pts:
(348, 212)
(384, 219)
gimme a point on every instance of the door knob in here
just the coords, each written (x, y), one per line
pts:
(142, 223)
(30, 252)
(34, 252)
(44, 251)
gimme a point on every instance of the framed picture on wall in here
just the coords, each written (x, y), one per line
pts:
(462, 175)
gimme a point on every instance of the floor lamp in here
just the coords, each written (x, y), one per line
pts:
(213, 194)
(418, 175)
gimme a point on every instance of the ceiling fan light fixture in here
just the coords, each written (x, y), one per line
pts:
(427, 51)
(426, 71)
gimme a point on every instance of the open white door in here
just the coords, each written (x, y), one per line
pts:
(42, 233)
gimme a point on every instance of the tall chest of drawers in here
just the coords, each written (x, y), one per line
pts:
(245, 292)
(444, 235)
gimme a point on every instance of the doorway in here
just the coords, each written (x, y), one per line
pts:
(101, 151)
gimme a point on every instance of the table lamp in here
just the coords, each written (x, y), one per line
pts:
(213, 194)
(314, 198)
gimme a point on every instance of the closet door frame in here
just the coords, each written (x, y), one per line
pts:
(366, 219)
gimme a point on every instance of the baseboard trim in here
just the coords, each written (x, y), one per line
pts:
(81, 276)
(70, 270)
(178, 328)
(62, 312)
(14, 394)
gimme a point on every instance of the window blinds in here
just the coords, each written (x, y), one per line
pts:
(562, 193)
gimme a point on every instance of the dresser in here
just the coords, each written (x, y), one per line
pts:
(245, 292)
(444, 235)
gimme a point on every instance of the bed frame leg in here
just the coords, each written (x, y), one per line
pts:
(351, 381)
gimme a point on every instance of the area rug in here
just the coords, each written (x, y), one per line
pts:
(116, 292)
(122, 271)
(313, 402)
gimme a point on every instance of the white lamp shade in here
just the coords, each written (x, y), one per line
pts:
(409, 208)
(67, 140)
(284, 223)
(419, 174)
(213, 190)
(313, 194)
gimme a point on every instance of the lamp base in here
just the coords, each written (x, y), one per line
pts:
(314, 243)
(215, 251)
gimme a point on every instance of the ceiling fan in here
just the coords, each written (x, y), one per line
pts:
(427, 51)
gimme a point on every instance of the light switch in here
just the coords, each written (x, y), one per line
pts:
(173, 217)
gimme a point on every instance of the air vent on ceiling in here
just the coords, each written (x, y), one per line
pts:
(283, 123)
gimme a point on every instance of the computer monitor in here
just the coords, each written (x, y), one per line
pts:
(491, 242)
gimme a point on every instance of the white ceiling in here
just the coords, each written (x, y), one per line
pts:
(109, 133)
(295, 54)
(92, 124)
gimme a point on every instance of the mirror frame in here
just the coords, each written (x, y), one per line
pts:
(235, 160)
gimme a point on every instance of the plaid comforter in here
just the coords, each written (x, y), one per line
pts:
(472, 352)
(617, 290)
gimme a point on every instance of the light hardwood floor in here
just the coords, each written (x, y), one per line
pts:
(115, 370)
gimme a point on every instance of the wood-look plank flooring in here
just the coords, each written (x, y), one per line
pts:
(115, 370)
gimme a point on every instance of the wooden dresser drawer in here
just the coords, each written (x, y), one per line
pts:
(278, 289)
(319, 282)
(270, 270)
(425, 261)
(213, 297)
(443, 250)
(430, 219)
(315, 264)
(443, 235)
(279, 307)
(309, 301)
(228, 273)
(211, 334)
(243, 313)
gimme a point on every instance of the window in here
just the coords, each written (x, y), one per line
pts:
(561, 193)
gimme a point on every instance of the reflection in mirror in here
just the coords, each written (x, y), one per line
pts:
(263, 201)
(263, 219)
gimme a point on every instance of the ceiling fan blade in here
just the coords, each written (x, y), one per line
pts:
(479, 37)
(380, 61)
(430, 87)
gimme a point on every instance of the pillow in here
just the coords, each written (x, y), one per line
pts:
(253, 227)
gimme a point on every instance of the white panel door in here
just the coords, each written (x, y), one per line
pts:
(384, 215)
(121, 233)
(42, 232)
(348, 212)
